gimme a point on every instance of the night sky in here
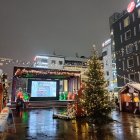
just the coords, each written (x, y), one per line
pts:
(66, 27)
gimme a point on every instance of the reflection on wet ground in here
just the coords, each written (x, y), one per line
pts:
(38, 124)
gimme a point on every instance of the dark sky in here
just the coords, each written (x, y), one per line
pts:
(31, 27)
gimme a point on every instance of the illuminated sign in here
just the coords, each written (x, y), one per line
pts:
(106, 42)
(131, 7)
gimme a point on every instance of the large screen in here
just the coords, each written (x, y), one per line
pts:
(43, 89)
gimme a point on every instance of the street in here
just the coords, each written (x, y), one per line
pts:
(38, 124)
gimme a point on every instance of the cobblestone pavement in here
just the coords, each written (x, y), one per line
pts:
(38, 124)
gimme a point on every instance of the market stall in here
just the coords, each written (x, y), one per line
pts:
(129, 97)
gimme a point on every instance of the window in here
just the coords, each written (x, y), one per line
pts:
(130, 62)
(114, 56)
(120, 25)
(114, 75)
(123, 65)
(122, 51)
(111, 33)
(134, 31)
(113, 66)
(60, 62)
(136, 45)
(104, 53)
(113, 43)
(44, 60)
(131, 77)
(139, 13)
(107, 73)
(126, 21)
(133, 17)
(121, 38)
(128, 35)
(53, 62)
(138, 60)
(129, 48)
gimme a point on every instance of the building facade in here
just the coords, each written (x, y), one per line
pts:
(62, 62)
(126, 32)
(109, 65)
(77, 64)
(49, 61)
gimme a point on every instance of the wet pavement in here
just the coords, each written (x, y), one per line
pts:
(38, 124)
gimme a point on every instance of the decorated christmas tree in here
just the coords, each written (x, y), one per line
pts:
(95, 101)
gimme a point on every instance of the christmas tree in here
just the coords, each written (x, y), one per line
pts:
(95, 100)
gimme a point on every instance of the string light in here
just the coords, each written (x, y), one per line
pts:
(123, 77)
(134, 44)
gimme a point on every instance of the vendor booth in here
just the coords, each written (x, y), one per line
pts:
(39, 84)
(130, 98)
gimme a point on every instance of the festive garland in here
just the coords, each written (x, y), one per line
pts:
(20, 72)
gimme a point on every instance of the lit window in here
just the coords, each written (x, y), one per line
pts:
(126, 21)
(113, 43)
(111, 33)
(128, 35)
(130, 62)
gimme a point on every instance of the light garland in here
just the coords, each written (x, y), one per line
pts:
(134, 44)
(123, 77)
(24, 71)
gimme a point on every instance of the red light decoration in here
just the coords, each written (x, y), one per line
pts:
(131, 7)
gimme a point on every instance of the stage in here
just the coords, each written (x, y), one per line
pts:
(42, 104)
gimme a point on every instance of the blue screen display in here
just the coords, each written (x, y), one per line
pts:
(43, 88)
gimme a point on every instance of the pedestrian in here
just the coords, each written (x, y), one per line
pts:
(19, 104)
(117, 103)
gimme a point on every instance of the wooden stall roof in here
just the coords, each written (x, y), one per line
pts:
(135, 86)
